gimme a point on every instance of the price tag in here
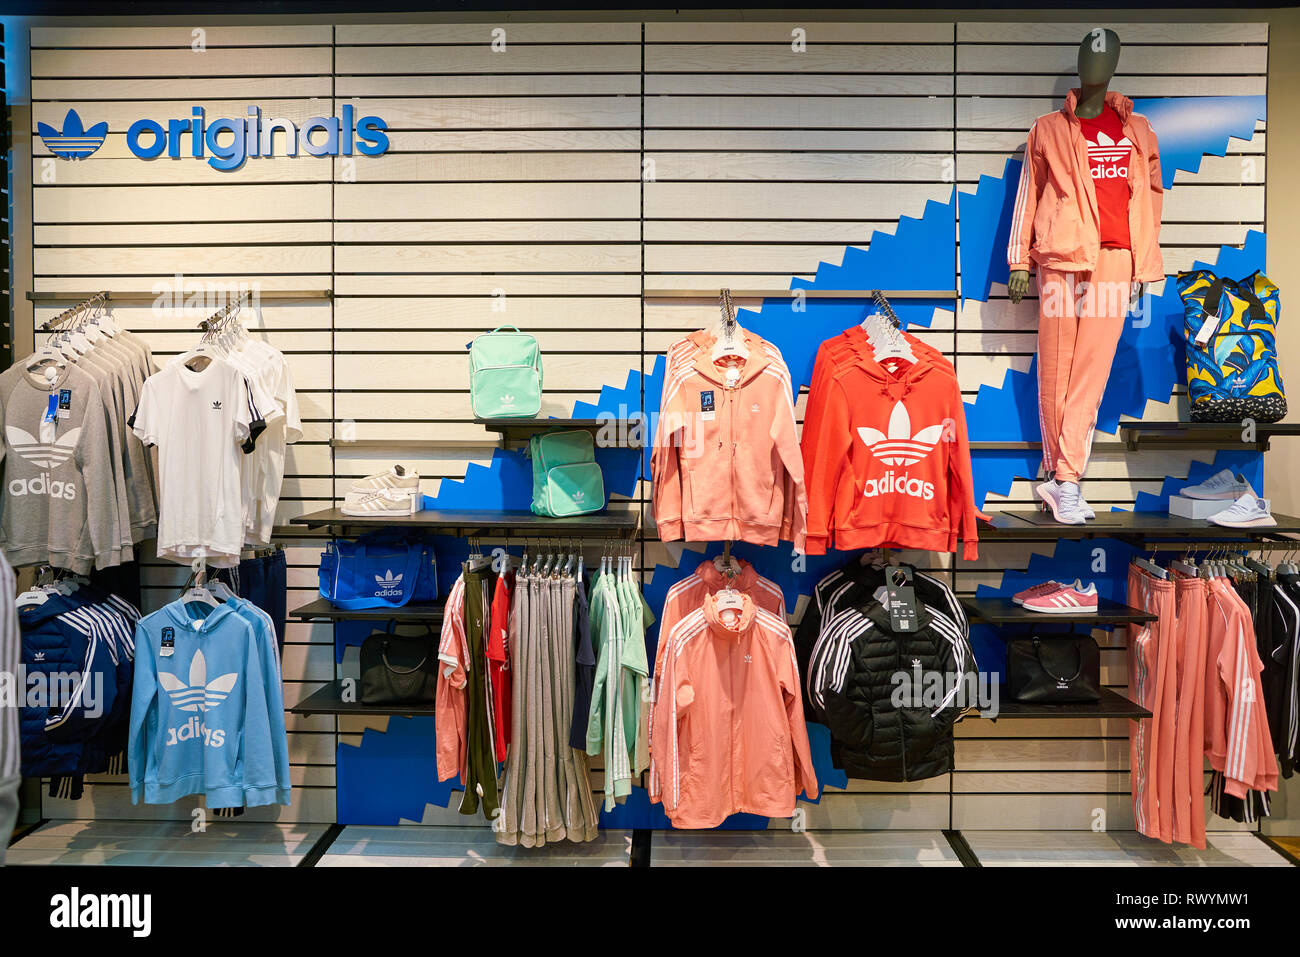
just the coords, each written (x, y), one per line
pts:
(168, 647)
(900, 599)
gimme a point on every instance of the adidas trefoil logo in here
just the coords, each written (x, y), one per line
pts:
(579, 495)
(216, 405)
(900, 446)
(507, 399)
(39, 656)
(200, 694)
(390, 585)
(72, 142)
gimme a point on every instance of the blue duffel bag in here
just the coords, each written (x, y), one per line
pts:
(380, 570)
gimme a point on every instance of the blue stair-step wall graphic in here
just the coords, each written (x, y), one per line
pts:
(390, 776)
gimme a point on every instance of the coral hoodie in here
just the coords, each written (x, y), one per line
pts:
(726, 460)
(1055, 221)
(889, 462)
(729, 733)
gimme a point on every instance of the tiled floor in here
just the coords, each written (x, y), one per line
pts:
(801, 848)
(1118, 849)
(466, 847)
(171, 843)
(166, 844)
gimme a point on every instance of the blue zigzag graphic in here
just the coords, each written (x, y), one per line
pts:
(1150, 354)
(1192, 127)
(920, 254)
(392, 775)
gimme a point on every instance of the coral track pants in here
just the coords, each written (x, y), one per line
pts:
(1080, 317)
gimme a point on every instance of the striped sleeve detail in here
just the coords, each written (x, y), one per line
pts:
(10, 655)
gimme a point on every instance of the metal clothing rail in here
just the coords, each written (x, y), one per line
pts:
(803, 293)
(88, 302)
(1280, 545)
(129, 296)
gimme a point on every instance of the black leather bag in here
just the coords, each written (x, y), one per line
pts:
(399, 669)
(1056, 670)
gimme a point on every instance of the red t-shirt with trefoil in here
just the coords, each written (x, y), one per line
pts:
(1109, 154)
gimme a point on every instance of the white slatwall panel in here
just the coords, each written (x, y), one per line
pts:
(513, 192)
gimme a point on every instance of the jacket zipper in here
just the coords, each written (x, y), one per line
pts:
(902, 724)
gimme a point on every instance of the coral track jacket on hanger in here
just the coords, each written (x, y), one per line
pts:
(726, 460)
(887, 461)
(729, 734)
(1055, 221)
(687, 596)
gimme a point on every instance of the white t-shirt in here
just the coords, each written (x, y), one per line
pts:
(262, 488)
(202, 422)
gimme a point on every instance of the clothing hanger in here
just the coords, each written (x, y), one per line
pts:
(729, 336)
(199, 593)
(1186, 564)
(1149, 565)
(891, 343)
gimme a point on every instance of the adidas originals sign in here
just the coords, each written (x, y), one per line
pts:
(227, 143)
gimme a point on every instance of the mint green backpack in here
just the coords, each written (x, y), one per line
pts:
(505, 374)
(566, 478)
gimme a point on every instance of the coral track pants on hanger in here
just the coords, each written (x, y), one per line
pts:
(1080, 318)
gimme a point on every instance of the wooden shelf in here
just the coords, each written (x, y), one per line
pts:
(329, 700)
(620, 519)
(1111, 705)
(1003, 611)
(322, 610)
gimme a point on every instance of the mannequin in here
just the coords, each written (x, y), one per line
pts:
(1087, 215)
(1098, 58)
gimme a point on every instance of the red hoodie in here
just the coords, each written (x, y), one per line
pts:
(888, 463)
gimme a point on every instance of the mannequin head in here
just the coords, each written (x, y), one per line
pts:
(1098, 57)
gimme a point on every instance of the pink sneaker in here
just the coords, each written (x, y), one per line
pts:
(1044, 588)
(1066, 600)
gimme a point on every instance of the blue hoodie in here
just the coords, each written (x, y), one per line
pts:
(208, 716)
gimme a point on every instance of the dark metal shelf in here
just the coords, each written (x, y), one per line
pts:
(322, 610)
(1032, 526)
(329, 700)
(522, 429)
(1188, 435)
(1111, 705)
(619, 519)
(1003, 611)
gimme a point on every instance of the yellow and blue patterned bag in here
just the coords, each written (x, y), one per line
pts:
(1231, 331)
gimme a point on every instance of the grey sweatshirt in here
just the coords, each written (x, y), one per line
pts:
(10, 763)
(58, 504)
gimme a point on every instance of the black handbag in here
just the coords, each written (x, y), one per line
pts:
(399, 669)
(1055, 670)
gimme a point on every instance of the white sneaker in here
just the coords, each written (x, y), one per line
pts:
(1222, 485)
(385, 502)
(395, 478)
(1249, 511)
(1063, 499)
(1084, 507)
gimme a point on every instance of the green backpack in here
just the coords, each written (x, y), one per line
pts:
(505, 375)
(566, 478)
